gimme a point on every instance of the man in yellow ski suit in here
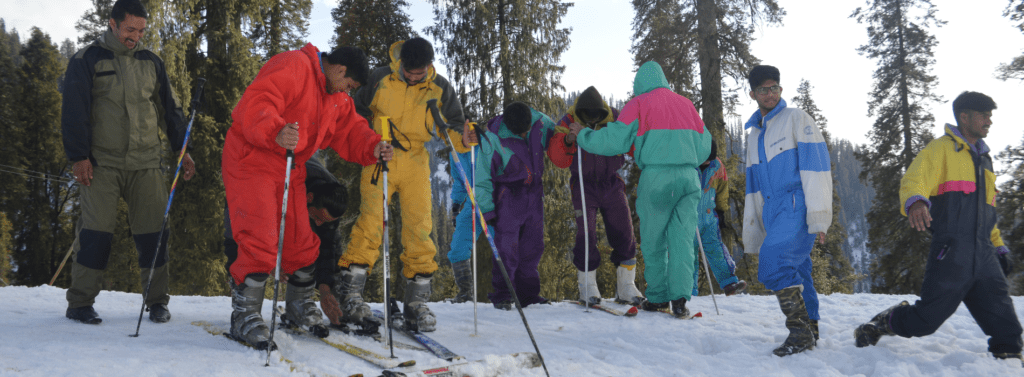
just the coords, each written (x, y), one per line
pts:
(400, 91)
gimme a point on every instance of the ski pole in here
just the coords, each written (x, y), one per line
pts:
(708, 270)
(196, 100)
(472, 163)
(385, 136)
(280, 248)
(586, 231)
(438, 121)
(72, 247)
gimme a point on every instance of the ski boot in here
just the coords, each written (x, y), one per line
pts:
(348, 289)
(679, 309)
(801, 337)
(418, 316)
(869, 333)
(587, 281)
(158, 313)
(299, 309)
(734, 288)
(653, 306)
(506, 305)
(1008, 356)
(84, 314)
(625, 286)
(463, 280)
(247, 323)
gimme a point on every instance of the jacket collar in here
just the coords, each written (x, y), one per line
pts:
(755, 120)
(954, 132)
(109, 41)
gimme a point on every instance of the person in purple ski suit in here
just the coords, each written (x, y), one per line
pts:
(510, 194)
(605, 191)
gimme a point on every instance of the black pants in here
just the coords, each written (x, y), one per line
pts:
(967, 272)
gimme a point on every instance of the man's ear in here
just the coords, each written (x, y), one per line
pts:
(113, 24)
(342, 69)
(751, 93)
(961, 118)
(309, 198)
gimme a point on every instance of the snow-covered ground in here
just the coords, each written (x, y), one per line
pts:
(38, 341)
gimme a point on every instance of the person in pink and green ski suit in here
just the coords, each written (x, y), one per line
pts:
(668, 141)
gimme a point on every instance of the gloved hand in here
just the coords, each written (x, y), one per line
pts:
(456, 208)
(1004, 261)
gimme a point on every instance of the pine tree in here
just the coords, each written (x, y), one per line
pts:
(282, 27)
(43, 226)
(1010, 205)
(899, 40)
(372, 26)
(499, 51)
(94, 22)
(1014, 69)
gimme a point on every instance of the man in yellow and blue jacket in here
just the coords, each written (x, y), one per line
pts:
(950, 190)
(400, 91)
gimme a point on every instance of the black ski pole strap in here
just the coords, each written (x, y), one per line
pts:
(398, 133)
(380, 167)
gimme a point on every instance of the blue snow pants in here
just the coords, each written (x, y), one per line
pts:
(785, 258)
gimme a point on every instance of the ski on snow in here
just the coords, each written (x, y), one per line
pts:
(631, 312)
(691, 316)
(362, 353)
(217, 330)
(522, 360)
(432, 345)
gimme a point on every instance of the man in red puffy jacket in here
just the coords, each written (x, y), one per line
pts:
(298, 101)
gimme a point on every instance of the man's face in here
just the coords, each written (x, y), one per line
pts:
(767, 95)
(320, 216)
(975, 124)
(129, 31)
(415, 76)
(336, 80)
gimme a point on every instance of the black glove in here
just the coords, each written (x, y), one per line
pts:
(1004, 262)
(456, 208)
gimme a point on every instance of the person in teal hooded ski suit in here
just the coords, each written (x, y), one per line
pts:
(669, 141)
(510, 194)
(714, 201)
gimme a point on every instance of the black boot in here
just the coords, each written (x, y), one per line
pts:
(1010, 355)
(84, 314)
(653, 306)
(158, 313)
(801, 337)
(348, 289)
(814, 329)
(869, 333)
(463, 280)
(679, 308)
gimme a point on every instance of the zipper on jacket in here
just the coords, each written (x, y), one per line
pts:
(942, 253)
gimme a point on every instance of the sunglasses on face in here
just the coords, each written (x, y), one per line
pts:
(775, 89)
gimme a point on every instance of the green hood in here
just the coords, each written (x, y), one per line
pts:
(649, 77)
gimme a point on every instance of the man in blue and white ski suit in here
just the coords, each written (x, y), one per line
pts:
(788, 203)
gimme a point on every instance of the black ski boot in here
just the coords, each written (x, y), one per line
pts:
(679, 308)
(84, 314)
(158, 313)
(801, 337)
(734, 288)
(247, 323)
(1010, 355)
(869, 333)
(653, 306)
(417, 315)
(300, 309)
(463, 280)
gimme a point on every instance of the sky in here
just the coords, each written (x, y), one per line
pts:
(39, 341)
(816, 42)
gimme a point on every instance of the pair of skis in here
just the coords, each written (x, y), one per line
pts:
(631, 312)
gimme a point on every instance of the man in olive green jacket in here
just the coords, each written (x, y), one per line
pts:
(116, 98)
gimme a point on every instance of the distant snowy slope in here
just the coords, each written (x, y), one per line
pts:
(38, 341)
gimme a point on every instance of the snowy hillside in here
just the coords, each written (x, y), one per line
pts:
(39, 341)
